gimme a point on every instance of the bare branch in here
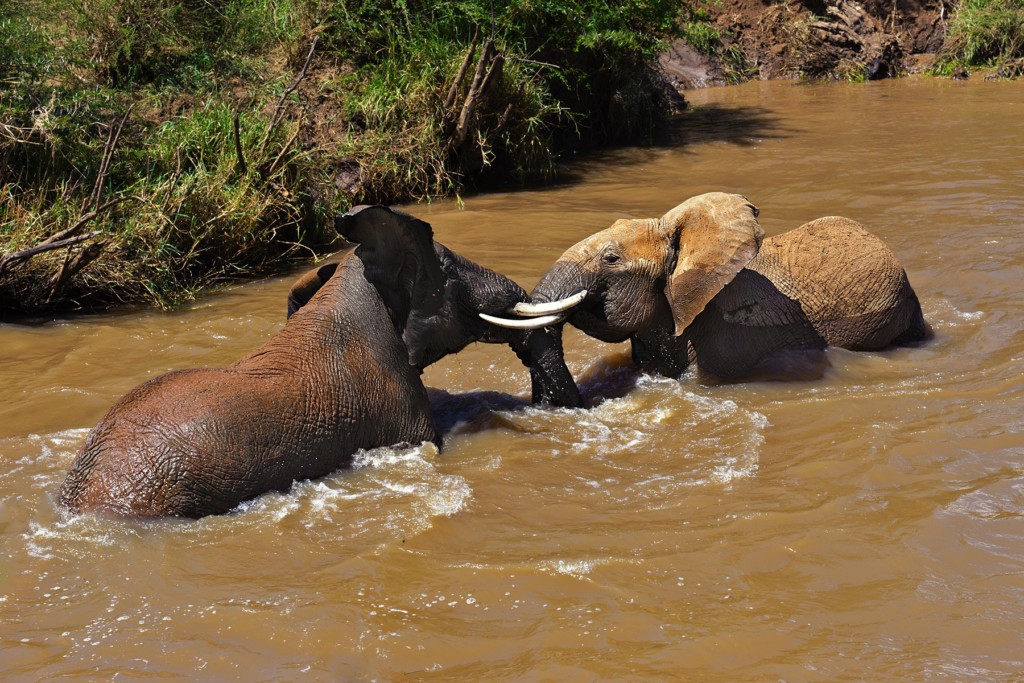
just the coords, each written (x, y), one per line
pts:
(72, 266)
(284, 151)
(485, 69)
(108, 154)
(279, 109)
(535, 62)
(493, 73)
(174, 181)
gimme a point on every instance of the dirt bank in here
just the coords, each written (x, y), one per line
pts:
(811, 38)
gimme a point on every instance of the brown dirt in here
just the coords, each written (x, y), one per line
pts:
(813, 38)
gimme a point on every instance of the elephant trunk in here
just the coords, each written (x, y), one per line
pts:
(563, 281)
(552, 383)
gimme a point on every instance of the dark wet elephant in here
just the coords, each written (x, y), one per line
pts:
(342, 375)
(702, 280)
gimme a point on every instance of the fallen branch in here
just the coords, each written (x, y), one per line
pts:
(488, 70)
(64, 238)
(8, 261)
(453, 91)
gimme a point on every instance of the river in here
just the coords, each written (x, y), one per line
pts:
(864, 525)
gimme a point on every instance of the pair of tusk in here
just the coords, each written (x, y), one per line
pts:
(538, 315)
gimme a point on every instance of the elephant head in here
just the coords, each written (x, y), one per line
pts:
(702, 282)
(468, 290)
(646, 280)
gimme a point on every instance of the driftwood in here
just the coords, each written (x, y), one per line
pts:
(9, 261)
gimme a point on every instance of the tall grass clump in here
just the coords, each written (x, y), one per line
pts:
(984, 33)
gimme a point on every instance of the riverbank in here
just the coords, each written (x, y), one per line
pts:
(738, 40)
(149, 151)
(152, 149)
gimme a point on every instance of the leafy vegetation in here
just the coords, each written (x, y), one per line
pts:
(151, 148)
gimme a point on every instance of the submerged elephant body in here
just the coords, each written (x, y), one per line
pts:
(342, 375)
(829, 282)
(849, 284)
(198, 442)
(703, 283)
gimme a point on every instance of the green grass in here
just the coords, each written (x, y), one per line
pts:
(983, 33)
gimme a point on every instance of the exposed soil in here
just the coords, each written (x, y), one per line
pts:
(812, 38)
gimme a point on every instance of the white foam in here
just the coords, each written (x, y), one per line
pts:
(386, 494)
(666, 422)
(943, 313)
(575, 568)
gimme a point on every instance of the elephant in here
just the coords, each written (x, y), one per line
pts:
(343, 374)
(703, 284)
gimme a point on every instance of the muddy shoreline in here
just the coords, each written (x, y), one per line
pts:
(811, 38)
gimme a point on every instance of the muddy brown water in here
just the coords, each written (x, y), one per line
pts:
(864, 525)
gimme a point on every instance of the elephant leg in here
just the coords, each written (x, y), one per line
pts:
(552, 383)
(658, 350)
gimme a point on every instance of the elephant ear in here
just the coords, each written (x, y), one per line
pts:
(397, 251)
(308, 285)
(714, 236)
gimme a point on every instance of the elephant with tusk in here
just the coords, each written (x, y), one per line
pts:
(343, 374)
(702, 282)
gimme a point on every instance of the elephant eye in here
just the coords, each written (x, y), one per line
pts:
(610, 257)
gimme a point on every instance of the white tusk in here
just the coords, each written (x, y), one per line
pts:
(523, 323)
(565, 304)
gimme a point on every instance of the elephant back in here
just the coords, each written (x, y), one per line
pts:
(849, 283)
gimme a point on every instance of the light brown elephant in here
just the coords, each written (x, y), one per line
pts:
(702, 282)
(343, 374)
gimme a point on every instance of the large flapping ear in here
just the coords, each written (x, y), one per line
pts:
(308, 285)
(716, 235)
(397, 251)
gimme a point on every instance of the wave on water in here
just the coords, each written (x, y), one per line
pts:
(388, 493)
(943, 313)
